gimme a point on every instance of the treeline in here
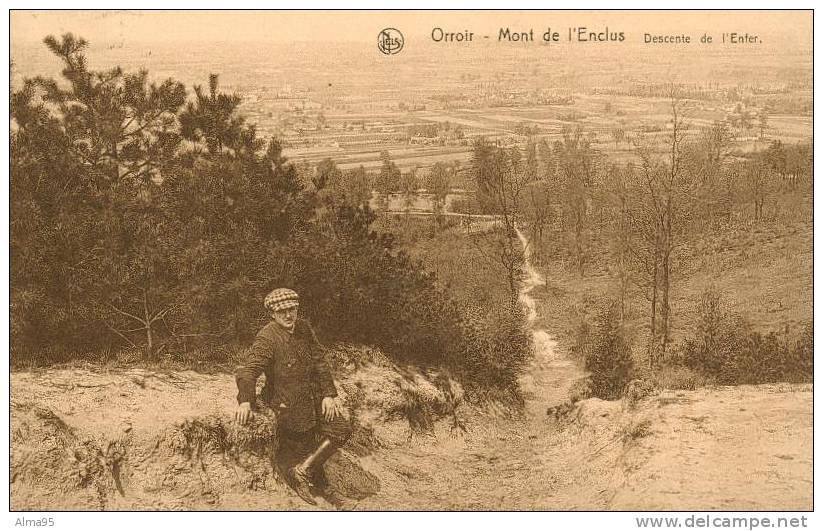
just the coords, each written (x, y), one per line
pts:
(148, 221)
(676, 191)
(634, 220)
(436, 129)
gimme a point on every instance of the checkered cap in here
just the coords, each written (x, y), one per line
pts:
(280, 299)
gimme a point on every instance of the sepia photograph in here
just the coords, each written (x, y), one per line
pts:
(411, 260)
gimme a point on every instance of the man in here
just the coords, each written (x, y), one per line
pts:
(299, 387)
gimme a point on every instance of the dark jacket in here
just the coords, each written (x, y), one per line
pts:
(297, 374)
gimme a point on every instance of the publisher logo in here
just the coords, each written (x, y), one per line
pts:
(390, 41)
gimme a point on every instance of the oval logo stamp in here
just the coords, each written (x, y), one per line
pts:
(390, 41)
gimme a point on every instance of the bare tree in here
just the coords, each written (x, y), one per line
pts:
(716, 141)
(707, 158)
(620, 186)
(538, 210)
(501, 179)
(667, 190)
(577, 164)
(763, 123)
(757, 178)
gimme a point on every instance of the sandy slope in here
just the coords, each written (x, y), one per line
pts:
(732, 448)
(93, 439)
(726, 448)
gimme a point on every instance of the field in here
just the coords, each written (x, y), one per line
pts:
(319, 112)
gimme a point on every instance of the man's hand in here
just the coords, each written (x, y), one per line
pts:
(331, 408)
(243, 413)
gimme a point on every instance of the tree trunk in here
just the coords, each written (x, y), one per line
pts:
(666, 274)
(147, 317)
(149, 343)
(622, 260)
(664, 302)
(653, 319)
(578, 245)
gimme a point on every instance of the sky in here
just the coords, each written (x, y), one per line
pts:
(28, 27)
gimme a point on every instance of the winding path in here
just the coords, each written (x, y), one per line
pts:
(505, 463)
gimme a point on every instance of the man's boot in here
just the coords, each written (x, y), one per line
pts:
(301, 474)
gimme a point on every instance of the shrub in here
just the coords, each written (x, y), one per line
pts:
(636, 429)
(360, 288)
(172, 245)
(582, 338)
(465, 205)
(496, 348)
(609, 358)
(726, 348)
(749, 357)
(680, 377)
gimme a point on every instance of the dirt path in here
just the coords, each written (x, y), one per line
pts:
(507, 463)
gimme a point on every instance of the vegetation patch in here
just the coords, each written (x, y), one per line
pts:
(159, 220)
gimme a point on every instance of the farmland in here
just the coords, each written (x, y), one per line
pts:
(430, 103)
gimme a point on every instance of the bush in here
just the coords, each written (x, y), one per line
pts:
(582, 338)
(465, 205)
(726, 348)
(360, 288)
(171, 238)
(680, 377)
(741, 355)
(495, 349)
(609, 357)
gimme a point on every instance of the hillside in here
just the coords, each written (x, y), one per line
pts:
(762, 273)
(732, 448)
(135, 439)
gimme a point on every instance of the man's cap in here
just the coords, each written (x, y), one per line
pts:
(281, 299)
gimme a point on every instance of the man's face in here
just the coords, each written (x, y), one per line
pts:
(286, 317)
